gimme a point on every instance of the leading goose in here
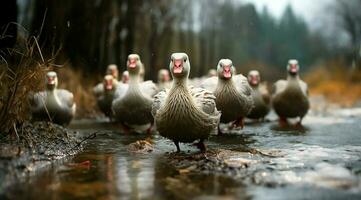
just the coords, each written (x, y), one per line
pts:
(233, 93)
(290, 97)
(56, 105)
(133, 102)
(183, 113)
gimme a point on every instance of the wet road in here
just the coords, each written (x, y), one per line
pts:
(320, 161)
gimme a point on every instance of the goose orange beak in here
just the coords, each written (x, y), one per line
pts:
(178, 66)
(51, 80)
(108, 84)
(227, 71)
(254, 80)
(132, 63)
(293, 68)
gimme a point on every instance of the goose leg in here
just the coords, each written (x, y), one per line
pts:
(299, 123)
(149, 130)
(283, 122)
(239, 122)
(219, 130)
(177, 145)
(126, 128)
(201, 146)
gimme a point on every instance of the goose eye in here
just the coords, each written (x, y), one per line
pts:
(185, 60)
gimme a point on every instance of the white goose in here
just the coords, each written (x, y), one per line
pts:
(233, 93)
(112, 69)
(133, 102)
(260, 95)
(163, 79)
(183, 113)
(125, 77)
(56, 105)
(290, 97)
(106, 98)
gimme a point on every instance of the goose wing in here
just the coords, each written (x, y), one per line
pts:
(98, 89)
(264, 93)
(159, 100)
(37, 100)
(204, 99)
(279, 86)
(121, 90)
(242, 85)
(210, 83)
(66, 97)
(148, 88)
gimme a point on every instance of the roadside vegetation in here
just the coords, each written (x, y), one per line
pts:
(336, 82)
(22, 69)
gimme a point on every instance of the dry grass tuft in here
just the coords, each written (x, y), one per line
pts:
(336, 82)
(22, 69)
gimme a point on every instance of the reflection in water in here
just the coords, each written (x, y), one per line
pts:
(292, 130)
(135, 178)
(321, 159)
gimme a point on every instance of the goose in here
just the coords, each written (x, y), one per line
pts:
(233, 94)
(56, 105)
(112, 69)
(260, 95)
(125, 77)
(184, 113)
(106, 98)
(290, 97)
(163, 79)
(133, 101)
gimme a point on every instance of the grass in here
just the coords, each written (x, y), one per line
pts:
(338, 83)
(22, 70)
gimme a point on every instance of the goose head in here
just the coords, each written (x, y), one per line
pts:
(293, 67)
(225, 69)
(134, 64)
(113, 70)
(254, 78)
(125, 77)
(109, 82)
(163, 76)
(51, 80)
(179, 65)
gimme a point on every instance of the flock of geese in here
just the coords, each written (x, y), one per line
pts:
(176, 109)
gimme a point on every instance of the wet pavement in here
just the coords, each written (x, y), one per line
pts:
(322, 160)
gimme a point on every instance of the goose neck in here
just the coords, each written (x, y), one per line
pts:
(134, 79)
(293, 77)
(180, 82)
(224, 82)
(51, 92)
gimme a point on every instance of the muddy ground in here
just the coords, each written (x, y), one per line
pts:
(34, 146)
(322, 160)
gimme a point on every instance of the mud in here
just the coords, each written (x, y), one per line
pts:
(36, 145)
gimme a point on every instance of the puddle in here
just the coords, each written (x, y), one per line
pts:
(321, 161)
